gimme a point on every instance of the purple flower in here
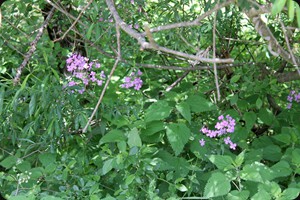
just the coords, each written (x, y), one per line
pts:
(97, 65)
(72, 83)
(202, 142)
(224, 126)
(81, 91)
(227, 140)
(99, 82)
(85, 81)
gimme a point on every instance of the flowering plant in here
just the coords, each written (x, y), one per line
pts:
(82, 72)
(224, 126)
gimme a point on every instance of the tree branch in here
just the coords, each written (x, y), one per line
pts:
(146, 45)
(33, 47)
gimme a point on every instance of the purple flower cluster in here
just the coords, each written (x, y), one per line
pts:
(293, 96)
(224, 126)
(82, 72)
(133, 80)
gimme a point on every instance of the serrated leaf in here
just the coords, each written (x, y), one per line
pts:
(114, 135)
(282, 169)
(9, 162)
(258, 103)
(235, 78)
(278, 6)
(266, 116)
(184, 110)
(51, 198)
(134, 139)
(250, 119)
(238, 195)
(200, 104)
(296, 157)
(262, 194)
(158, 111)
(290, 193)
(272, 152)
(222, 162)
(239, 159)
(107, 166)
(181, 187)
(153, 127)
(217, 185)
(178, 135)
(47, 158)
(257, 172)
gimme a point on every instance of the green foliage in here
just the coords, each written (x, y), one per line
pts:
(144, 144)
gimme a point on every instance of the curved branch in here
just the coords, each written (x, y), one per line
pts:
(146, 45)
(274, 47)
(33, 47)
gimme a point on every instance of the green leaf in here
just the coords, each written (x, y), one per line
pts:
(257, 172)
(47, 158)
(266, 116)
(153, 127)
(200, 104)
(107, 166)
(23, 197)
(178, 135)
(158, 111)
(32, 104)
(278, 6)
(1, 99)
(298, 14)
(238, 195)
(217, 185)
(272, 152)
(262, 194)
(89, 32)
(291, 9)
(235, 78)
(181, 187)
(296, 157)
(9, 162)
(250, 118)
(134, 138)
(289, 193)
(282, 137)
(271, 188)
(114, 135)
(239, 159)
(258, 103)
(51, 198)
(184, 110)
(282, 169)
(222, 162)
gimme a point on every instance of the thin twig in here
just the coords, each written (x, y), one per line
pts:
(33, 47)
(76, 20)
(108, 79)
(146, 45)
(289, 47)
(214, 56)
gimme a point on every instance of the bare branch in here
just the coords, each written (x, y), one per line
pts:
(288, 76)
(146, 45)
(108, 79)
(273, 45)
(33, 47)
(214, 56)
(196, 22)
